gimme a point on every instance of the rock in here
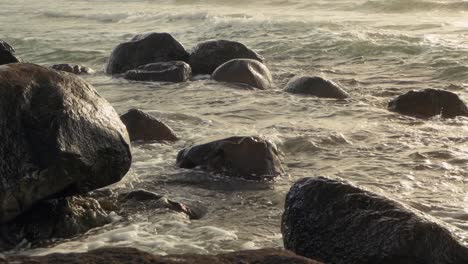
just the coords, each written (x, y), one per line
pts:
(336, 222)
(141, 195)
(145, 49)
(247, 157)
(315, 86)
(429, 102)
(245, 71)
(209, 55)
(57, 218)
(172, 71)
(131, 255)
(60, 138)
(142, 126)
(73, 68)
(7, 53)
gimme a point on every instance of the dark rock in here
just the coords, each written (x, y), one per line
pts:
(336, 222)
(57, 218)
(245, 71)
(172, 71)
(209, 55)
(141, 195)
(429, 102)
(142, 126)
(7, 53)
(60, 138)
(72, 68)
(246, 157)
(131, 255)
(315, 86)
(145, 49)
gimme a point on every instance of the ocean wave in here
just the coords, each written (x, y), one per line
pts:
(100, 17)
(397, 6)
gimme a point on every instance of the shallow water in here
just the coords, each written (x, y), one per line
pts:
(376, 49)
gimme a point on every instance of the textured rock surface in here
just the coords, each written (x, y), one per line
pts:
(246, 157)
(72, 68)
(209, 55)
(315, 86)
(336, 222)
(7, 53)
(59, 138)
(171, 71)
(142, 126)
(245, 71)
(429, 102)
(145, 49)
(56, 218)
(130, 255)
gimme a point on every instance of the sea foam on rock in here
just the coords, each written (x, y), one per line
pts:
(246, 157)
(145, 49)
(131, 255)
(429, 102)
(60, 138)
(55, 218)
(171, 71)
(7, 53)
(336, 222)
(244, 71)
(315, 86)
(143, 126)
(209, 55)
(72, 68)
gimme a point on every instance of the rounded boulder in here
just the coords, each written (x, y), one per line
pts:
(315, 86)
(244, 71)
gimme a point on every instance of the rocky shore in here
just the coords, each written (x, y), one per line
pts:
(64, 143)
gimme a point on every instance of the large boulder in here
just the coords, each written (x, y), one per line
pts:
(56, 218)
(72, 68)
(244, 71)
(246, 157)
(209, 55)
(336, 222)
(171, 71)
(7, 53)
(145, 49)
(60, 137)
(131, 255)
(315, 86)
(143, 126)
(429, 102)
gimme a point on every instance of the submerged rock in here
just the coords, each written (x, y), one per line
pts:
(209, 55)
(245, 71)
(145, 49)
(7, 53)
(315, 86)
(131, 255)
(72, 68)
(429, 102)
(142, 126)
(57, 218)
(336, 222)
(172, 71)
(60, 138)
(246, 157)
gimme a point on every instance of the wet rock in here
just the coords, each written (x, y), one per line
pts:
(141, 195)
(60, 138)
(142, 126)
(172, 71)
(73, 68)
(336, 222)
(131, 255)
(245, 71)
(145, 49)
(315, 86)
(247, 157)
(429, 102)
(7, 53)
(57, 218)
(209, 55)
